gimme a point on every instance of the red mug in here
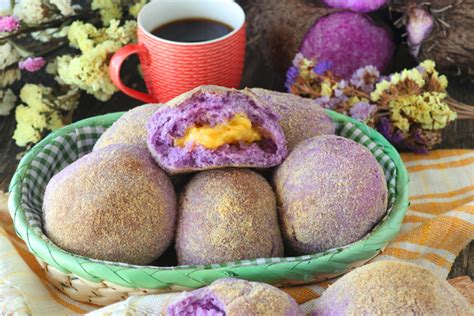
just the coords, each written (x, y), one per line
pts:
(171, 68)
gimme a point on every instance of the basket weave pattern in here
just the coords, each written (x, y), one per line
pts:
(102, 283)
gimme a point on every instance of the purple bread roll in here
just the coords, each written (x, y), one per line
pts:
(300, 118)
(233, 297)
(392, 288)
(331, 192)
(130, 128)
(211, 107)
(226, 215)
(113, 204)
(357, 5)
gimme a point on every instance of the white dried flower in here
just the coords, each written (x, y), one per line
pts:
(44, 35)
(8, 77)
(365, 78)
(64, 6)
(8, 55)
(7, 101)
(31, 11)
(297, 60)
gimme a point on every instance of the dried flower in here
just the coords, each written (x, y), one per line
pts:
(41, 112)
(291, 76)
(136, 7)
(7, 77)
(407, 107)
(25, 133)
(31, 11)
(331, 103)
(326, 88)
(322, 67)
(48, 22)
(89, 71)
(9, 24)
(32, 64)
(7, 101)
(386, 128)
(8, 55)
(109, 10)
(64, 6)
(362, 111)
(83, 35)
(365, 78)
(297, 60)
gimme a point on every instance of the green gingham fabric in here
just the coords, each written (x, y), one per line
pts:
(64, 149)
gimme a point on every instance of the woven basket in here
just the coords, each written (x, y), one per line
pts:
(102, 283)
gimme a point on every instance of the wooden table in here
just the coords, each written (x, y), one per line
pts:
(460, 134)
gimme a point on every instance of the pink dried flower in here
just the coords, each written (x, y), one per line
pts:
(32, 64)
(9, 23)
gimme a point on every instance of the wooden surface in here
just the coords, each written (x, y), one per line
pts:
(460, 134)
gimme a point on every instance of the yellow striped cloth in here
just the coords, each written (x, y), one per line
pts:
(438, 225)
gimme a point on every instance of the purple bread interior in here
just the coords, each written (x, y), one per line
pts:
(231, 296)
(201, 302)
(207, 108)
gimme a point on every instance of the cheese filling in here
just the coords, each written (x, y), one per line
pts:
(238, 129)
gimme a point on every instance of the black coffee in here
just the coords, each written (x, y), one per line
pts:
(192, 30)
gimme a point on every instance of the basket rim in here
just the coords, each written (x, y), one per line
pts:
(68, 262)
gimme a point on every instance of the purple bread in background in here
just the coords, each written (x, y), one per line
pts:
(113, 204)
(392, 288)
(233, 297)
(331, 192)
(363, 6)
(300, 118)
(213, 105)
(130, 128)
(226, 215)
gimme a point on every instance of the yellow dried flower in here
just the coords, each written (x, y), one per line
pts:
(25, 134)
(121, 35)
(399, 121)
(31, 116)
(81, 35)
(413, 75)
(89, 71)
(395, 78)
(379, 89)
(136, 7)
(55, 121)
(40, 112)
(428, 110)
(353, 100)
(32, 95)
(326, 89)
(307, 63)
(109, 10)
(428, 65)
(443, 82)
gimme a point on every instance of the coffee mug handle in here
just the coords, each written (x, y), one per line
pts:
(114, 72)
